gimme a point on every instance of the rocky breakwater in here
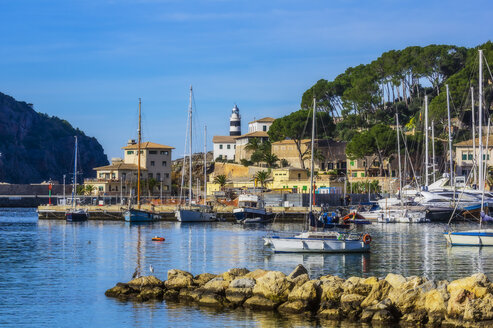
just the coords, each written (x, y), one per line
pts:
(409, 301)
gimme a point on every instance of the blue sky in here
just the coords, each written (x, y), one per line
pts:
(89, 61)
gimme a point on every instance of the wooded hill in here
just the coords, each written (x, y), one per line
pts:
(364, 99)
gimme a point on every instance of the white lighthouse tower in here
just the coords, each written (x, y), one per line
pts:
(235, 122)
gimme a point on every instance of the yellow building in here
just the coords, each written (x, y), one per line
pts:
(242, 142)
(329, 155)
(464, 152)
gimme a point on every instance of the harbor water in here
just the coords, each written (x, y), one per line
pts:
(54, 273)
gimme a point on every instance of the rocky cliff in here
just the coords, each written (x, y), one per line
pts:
(35, 147)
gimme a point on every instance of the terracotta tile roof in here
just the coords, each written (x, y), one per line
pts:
(256, 134)
(119, 166)
(468, 143)
(147, 145)
(223, 139)
(263, 120)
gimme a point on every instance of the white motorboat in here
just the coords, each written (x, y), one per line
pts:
(320, 242)
(251, 210)
(480, 237)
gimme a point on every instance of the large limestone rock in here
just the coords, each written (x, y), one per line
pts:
(355, 285)
(395, 280)
(145, 282)
(260, 303)
(243, 283)
(299, 280)
(303, 298)
(256, 274)
(480, 309)
(122, 291)
(203, 278)
(178, 279)
(294, 307)
(231, 274)
(150, 293)
(331, 314)
(298, 271)
(236, 296)
(435, 302)
(351, 302)
(459, 298)
(379, 292)
(216, 285)
(274, 286)
(478, 284)
(212, 300)
(332, 289)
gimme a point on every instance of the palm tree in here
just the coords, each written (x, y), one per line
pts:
(271, 160)
(89, 189)
(262, 177)
(220, 180)
(253, 145)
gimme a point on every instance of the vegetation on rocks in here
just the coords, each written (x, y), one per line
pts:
(410, 301)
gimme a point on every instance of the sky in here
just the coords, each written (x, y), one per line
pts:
(90, 61)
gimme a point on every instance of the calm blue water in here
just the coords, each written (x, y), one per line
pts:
(54, 274)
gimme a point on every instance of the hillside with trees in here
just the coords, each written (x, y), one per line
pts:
(364, 99)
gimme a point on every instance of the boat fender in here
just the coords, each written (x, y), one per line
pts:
(367, 239)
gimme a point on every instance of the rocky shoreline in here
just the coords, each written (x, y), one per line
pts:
(395, 299)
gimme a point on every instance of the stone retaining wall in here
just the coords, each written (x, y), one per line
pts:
(408, 301)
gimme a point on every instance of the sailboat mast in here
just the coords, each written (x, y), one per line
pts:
(473, 138)
(433, 161)
(139, 133)
(480, 117)
(451, 170)
(190, 150)
(311, 157)
(399, 155)
(205, 165)
(426, 142)
(75, 173)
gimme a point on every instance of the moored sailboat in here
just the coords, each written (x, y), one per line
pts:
(138, 214)
(74, 213)
(195, 213)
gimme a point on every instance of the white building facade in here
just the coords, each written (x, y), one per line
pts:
(260, 125)
(224, 147)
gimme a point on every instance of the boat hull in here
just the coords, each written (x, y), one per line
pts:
(194, 216)
(134, 215)
(252, 215)
(76, 216)
(478, 238)
(302, 245)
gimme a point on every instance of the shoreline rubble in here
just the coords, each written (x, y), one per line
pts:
(407, 301)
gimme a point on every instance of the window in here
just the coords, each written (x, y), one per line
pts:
(100, 188)
(149, 175)
(330, 166)
(130, 152)
(153, 152)
(235, 146)
(469, 156)
(166, 175)
(163, 163)
(220, 146)
(351, 163)
(228, 146)
(113, 175)
(264, 127)
(355, 175)
(299, 175)
(362, 175)
(158, 176)
(124, 176)
(484, 157)
(152, 163)
(101, 175)
(164, 152)
(464, 155)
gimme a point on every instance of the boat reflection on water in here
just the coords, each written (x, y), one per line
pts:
(323, 264)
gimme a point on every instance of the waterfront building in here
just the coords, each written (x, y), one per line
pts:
(330, 155)
(155, 162)
(260, 125)
(242, 141)
(224, 148)
(464, 155)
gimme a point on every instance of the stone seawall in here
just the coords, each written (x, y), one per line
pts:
(395, 299)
